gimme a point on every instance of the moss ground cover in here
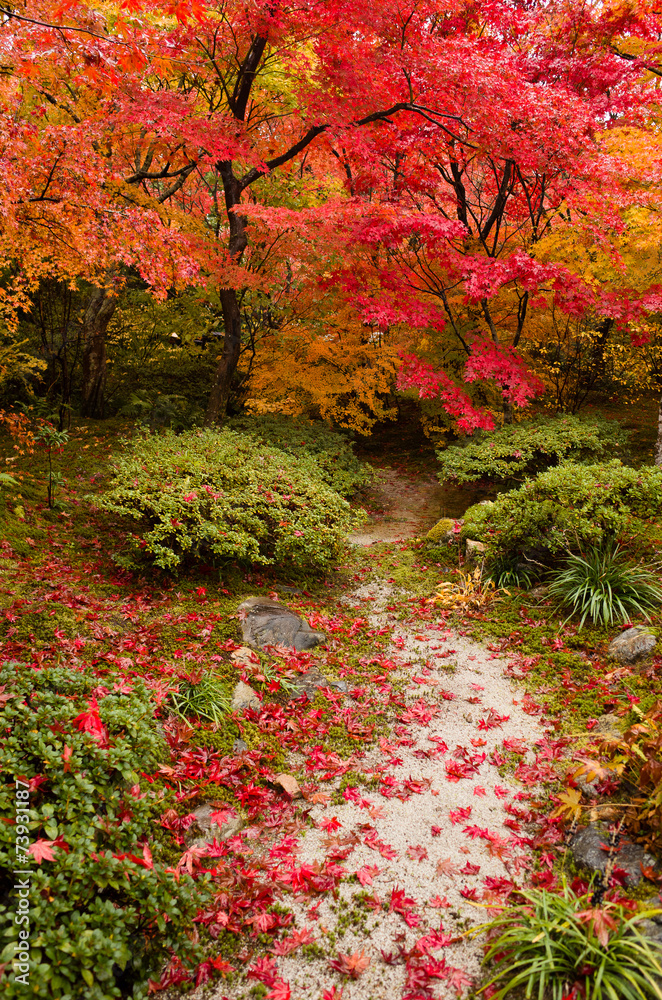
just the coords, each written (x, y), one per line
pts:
(66, 606)
(130, 639)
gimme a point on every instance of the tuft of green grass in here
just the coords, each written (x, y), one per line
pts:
(603, 586)
(208, 699)
(560, 946)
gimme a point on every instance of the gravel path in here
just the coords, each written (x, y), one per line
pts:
(432, 828)
(432, 841)
(406, 505)
(434, 852)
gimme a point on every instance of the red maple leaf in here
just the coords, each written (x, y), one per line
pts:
(600, 923)
(90, 722)
(353, 965)
(447, 867)
(366, 874)
(41, 850)
(439, 904)
(279, 991)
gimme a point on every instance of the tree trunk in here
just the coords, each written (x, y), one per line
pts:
(229, 359)
(99, 312)
(658, 443)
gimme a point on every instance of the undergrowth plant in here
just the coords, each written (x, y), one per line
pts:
(206, 698)
(511, 572)
(220, 496)
(471, 590)
(518, 450)
(562, 947)
(602, 586)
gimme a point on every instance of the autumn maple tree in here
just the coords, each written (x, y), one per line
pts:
(446, 142)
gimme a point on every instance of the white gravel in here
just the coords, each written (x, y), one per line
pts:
(474, 677)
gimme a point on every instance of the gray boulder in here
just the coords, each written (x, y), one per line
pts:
(587, 852)
(269, 623)
(475, 551)
(631, 644)
(313, 679)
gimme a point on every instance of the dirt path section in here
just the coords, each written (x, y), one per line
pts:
(404, 505)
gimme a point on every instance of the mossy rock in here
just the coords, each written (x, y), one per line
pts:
(440, 531)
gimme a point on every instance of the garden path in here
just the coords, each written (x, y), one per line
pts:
(433, 826)
(404, 504)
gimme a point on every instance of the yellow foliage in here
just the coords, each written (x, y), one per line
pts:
(17, 364)
(471, 591)
(333, 367)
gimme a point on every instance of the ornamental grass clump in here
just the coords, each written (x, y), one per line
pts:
(561, 947)
(603, 586)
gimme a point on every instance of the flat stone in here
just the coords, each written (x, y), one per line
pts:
(269, 623)
(608, 725)
(204, 829)
(239, 746)
(631, 645)
(245, 658)
(289, 784)
(243, 697)
(474, 550)
(311, 681)
(586, 850)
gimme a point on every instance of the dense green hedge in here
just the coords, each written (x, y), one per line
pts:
(100, 923)
(332, 451)
(566, 509)
(518, 450)
(215, 495)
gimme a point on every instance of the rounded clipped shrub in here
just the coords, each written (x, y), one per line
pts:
(218, 495)
(332, 451)
(569, 508)
(517, 450)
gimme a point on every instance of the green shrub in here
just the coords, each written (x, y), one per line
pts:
(601, 585)
(101, 922)
(220, 495)
(339, 466)
(554, 947)
(517, 450)
(568, 508)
